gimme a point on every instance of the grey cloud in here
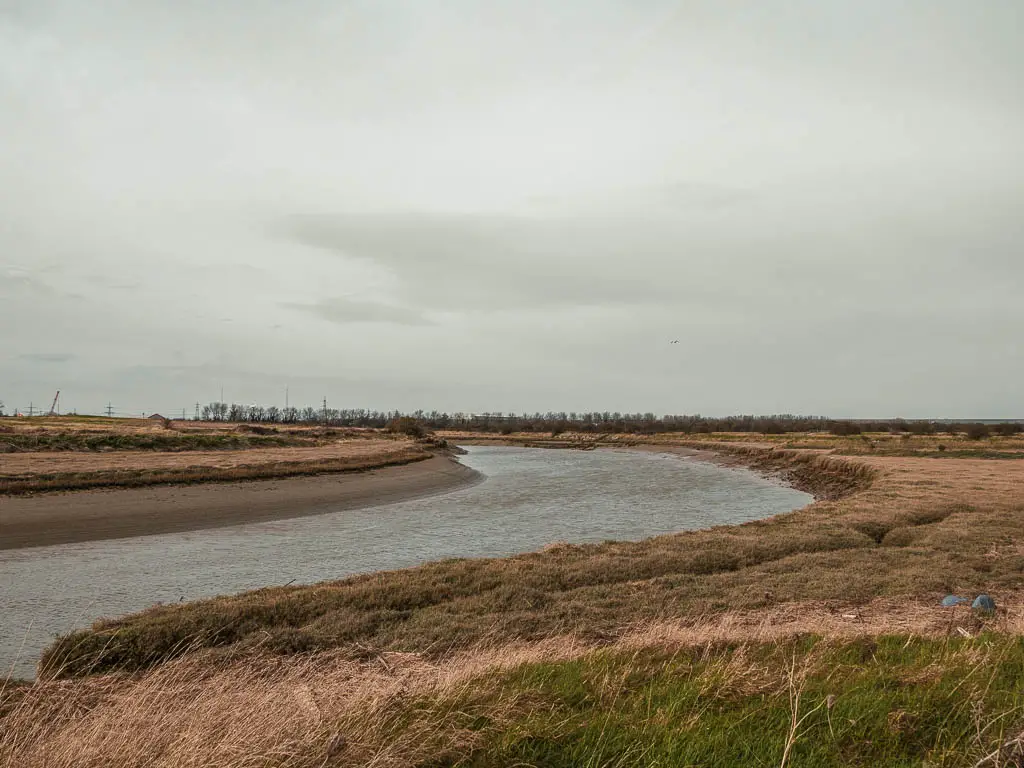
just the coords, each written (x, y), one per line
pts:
(681, 196)
(47, 357)
(345, 311)
(490, 263)
(713, 266)
(14, 284)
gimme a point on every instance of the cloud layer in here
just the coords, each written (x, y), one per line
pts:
(513, 206)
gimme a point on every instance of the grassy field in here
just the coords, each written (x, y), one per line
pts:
(35, 473)
(813, 638)
(71, 453)
(25, 436)
(97, 433)
(662, 695)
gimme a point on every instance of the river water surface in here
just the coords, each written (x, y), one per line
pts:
(530, 497)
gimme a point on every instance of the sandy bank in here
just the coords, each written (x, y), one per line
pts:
(114, 514)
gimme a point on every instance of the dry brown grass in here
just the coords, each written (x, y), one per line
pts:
(21, 464)
(401, 709)
(36, 472)
(124, 426)
(86, 424)
(267, 710)
(92, 435)
(834, 621)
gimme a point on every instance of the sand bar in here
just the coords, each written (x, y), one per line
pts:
(35, 521)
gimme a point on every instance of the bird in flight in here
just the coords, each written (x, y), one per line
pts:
(676, 341)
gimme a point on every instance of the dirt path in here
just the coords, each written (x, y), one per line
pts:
(115, 514)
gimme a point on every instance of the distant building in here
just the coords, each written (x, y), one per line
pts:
(156, 416)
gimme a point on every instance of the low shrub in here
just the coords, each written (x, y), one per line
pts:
(407, 425)
(978, 431)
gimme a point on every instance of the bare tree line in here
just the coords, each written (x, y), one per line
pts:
(603, 422)
(591, 422)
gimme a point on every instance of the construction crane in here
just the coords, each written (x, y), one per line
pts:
(53, 408)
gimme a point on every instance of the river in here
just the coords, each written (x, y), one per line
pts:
(530, 497)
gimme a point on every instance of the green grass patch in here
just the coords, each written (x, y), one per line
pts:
(891, 701)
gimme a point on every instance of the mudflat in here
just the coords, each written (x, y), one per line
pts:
(35, 521)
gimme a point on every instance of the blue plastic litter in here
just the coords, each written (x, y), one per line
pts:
(950, 601)
(984, 603)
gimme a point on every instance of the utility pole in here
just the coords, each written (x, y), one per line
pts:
(31, 409)
(325, 411)
(286, 398)
(182, 414)
(197, 412)
(110, 410)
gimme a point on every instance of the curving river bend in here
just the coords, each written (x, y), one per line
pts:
(530, 497)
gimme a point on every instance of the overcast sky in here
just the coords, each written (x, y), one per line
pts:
(476, 206)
